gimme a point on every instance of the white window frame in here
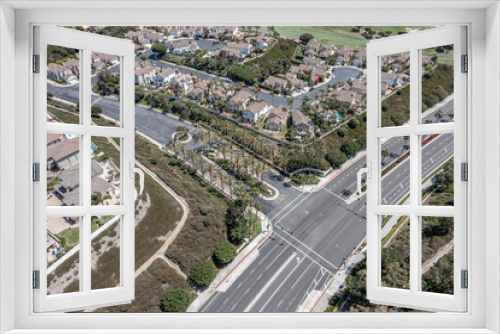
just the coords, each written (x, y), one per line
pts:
(85, 298)
(484, 102)
(414, 44)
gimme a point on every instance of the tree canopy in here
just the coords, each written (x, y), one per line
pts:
(203, 273)
(225, 252)
(176, 300)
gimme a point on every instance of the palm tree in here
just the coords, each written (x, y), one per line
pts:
(202, 167)
(221, 179)
(183, 151)
(210, 172)
(192, 155)
(173, 144)
(224, 152)
(230, 182)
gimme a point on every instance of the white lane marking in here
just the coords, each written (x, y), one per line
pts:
(295, 206)
(305, 271)
(279, 286)
(265, 287)
(291, 202)
(308, 248)
(308, 256)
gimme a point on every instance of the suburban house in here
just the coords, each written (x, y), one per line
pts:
(313, 61)
(359, 58)
(53, 138)
(312, 46)
(184, 83)
(144, 75)
(325, 114)
(63, 153)
(182, 46)
(155, 37)
(343, 55)
(68, 190)
(108, 59)
(196, 94)
(276, 118)
(240, 100)
(61, 73)
(255, 110)
(73, 65)
(259, 41)
(190, 32)
(233, 30)
(275, 82)
(175, 32)
(326, 51)
(165, 76)
(219, 93)
(298, 83)
(301, 122)
(390, 79)
(359, 86)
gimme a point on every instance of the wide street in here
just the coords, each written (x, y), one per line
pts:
(320, 230)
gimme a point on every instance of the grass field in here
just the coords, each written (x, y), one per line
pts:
(337, 35)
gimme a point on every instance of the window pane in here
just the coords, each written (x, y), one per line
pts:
(105, 171)
(437, 169)
(63, 87)
(395, 76)
(63, 244)
(437, 84)
(63, 169)
(105, 89)
(395, 250)
(106, 252)
(437, 254)
(395, 167)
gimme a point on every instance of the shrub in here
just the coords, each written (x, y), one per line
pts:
(353, 123)
(176, 300)
(342, 132)
(350, 148)
(336, 158)
(224, 253)
(203, 273)
(95, 110)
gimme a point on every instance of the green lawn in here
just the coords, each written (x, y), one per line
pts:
(337, 35)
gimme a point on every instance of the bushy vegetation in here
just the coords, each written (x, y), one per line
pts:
(205, 227)
(437, 84)
(150, 288)
(108, 83)
(277, 60)
(59, 54)
(176, 300)
(116, 31)
(202, 274)
(224, 253)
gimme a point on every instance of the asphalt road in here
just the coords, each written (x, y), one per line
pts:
(320, 230)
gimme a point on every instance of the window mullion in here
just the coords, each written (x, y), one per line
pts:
(85, 182)
(415, 158)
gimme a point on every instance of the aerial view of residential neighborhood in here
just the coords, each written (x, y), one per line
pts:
(250, 138)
